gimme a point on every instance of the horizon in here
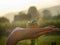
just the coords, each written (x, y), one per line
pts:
(7, 6)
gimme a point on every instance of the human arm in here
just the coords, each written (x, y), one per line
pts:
(27, 33)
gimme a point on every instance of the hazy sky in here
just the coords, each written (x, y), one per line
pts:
(18, 5)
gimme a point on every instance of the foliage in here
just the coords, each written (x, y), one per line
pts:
(2, 29)
(56, 17)
(50, 22)
(6, 28)
(42, 40)
(47, 15)
(3, 19)
(33, 12)
(3, 40)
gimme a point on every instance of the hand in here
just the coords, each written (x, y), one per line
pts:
(42, 31)
(52, 28)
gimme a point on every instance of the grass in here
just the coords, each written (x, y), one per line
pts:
(42, 40)
(47, 40)
(3, 40)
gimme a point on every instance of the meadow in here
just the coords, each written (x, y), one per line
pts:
(6, 28)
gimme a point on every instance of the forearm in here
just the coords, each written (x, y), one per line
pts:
(14, 37)
(13, 40)
(18, 35)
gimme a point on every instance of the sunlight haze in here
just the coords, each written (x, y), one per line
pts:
(7, 6)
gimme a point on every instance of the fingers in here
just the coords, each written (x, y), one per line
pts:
(52, 26)
(56, 29)
(43, 33)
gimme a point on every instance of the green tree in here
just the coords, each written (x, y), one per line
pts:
(3, 20)
(47, 15)
(21, 16)
(56, 17)
(33, 12)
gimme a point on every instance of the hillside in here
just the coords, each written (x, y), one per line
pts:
(54, 10)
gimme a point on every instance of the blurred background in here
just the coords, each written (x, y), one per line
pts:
(17, 13)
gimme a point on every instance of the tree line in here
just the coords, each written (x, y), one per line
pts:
(32, 14)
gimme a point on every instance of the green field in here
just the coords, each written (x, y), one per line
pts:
(6, 28)
(42, 40)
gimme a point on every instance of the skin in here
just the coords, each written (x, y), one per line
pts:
(19, 34)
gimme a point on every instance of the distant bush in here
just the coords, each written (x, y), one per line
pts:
(2, 29)
(6, 28)
(50, 22)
